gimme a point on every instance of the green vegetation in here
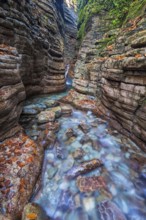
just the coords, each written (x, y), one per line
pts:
(120, 11)
(137, 8)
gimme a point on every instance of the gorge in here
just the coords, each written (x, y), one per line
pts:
(72, 110)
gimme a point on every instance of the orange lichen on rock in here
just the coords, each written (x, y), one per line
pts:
(138, 55)
(30, 159)
(18, 163)
(31, 216)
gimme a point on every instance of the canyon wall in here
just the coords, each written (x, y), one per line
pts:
(115, 75)
(32, 37)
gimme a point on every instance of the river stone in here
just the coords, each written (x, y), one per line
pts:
(57, 111)
(85, 139)
(83, 168)
(46, 116)
(51, 126)
(78, 154)
(70, 133)
(51, 171)
(90, 184)
(34, 212)
(66, 110)
(110, 210)
(51, 103)
(84, 127)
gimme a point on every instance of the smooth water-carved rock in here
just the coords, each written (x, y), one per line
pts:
(66, 110)
(46, 116)
(108, 210)
(50, 103)
(57, 111)
(83, 168)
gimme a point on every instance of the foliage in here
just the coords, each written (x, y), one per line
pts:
(137, 8)
(117, 9)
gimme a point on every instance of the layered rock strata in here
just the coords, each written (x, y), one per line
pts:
(34, 40)
(32, 37)
(116, 78)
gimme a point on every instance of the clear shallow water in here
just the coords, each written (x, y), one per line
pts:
(125, 186)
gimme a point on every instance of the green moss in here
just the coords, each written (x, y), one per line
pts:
(116, 9)
(136, 9)
(85, 13)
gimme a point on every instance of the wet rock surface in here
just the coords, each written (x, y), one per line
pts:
(114, 76)
(115, 190)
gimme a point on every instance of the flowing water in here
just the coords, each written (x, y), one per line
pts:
(122, 194)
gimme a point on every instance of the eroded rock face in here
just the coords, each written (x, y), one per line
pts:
(12, 91)
(32, 42)
(117, 80)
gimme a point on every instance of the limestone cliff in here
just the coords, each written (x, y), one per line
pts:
(33, 41)
(115, 74)
(32, 37)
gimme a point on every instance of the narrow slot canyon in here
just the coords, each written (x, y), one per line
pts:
(72, 110)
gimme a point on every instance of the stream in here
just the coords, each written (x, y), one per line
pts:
(116, 189)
